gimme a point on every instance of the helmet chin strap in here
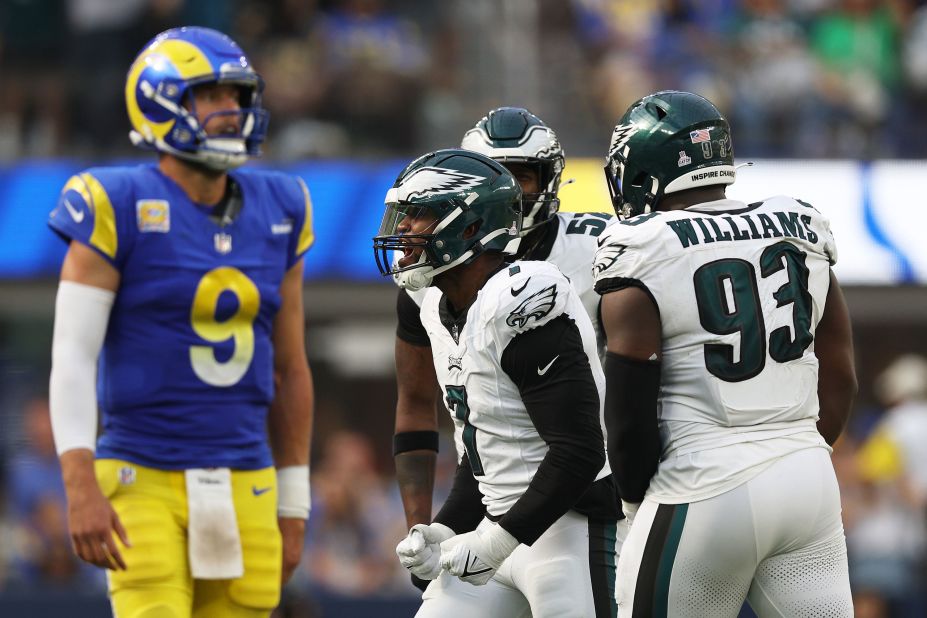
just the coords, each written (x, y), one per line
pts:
(413, 280)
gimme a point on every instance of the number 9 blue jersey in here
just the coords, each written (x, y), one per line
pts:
(186, 371)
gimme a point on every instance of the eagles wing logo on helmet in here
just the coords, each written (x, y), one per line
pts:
(552, 150)
(535, 306)
(620, 136)
(606, 256)
(429, 181)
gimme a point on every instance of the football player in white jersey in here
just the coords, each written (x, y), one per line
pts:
(530, 150)
(730, 372)
(516, 359)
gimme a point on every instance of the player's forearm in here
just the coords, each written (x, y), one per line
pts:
(631, 393)
(415, 452)
(833, 346)
(77, 472)
(290, 418)
(463, 510)
(415, 474)
(836, 391)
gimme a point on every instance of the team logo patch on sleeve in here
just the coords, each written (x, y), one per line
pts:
(606, 256)
(535, 306)
(153, 215)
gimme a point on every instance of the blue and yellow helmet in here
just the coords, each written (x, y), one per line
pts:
(158, 91)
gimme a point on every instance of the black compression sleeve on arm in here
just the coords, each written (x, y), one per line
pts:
(410, 328)
(552, 372)
(463, 510)
(631, 390)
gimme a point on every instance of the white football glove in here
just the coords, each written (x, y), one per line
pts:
(475, 556)
(630, 510)
(421, 549)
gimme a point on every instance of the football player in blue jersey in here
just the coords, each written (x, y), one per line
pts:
(179, 316)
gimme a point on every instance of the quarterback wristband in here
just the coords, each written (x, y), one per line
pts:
(405, 441)
(293, 492)
(81, 317)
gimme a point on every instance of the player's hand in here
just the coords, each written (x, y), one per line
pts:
(92, 521)
(475, 556)
(293, 533)
(421, 549)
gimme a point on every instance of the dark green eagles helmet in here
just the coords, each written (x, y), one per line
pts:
(515, 135)
(451, 189)
(666, 142)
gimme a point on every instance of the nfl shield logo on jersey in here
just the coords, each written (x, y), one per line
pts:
(223, 242)
(126, 475)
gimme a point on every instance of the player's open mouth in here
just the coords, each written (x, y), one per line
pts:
(407, 257)
(410, 253)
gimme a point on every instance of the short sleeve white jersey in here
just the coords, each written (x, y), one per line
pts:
(740, 290)
(574, 250)
(503, 445)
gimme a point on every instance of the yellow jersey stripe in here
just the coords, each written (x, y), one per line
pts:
(306, 235)
(104, 236)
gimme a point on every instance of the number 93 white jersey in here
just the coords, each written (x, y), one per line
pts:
(503, 445)
(740, 290)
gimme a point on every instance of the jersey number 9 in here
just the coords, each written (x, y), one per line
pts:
(239, 326)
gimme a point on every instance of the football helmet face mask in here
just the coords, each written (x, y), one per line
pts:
(666, 142)
(515, 135)
(430, 211)
(161, 104)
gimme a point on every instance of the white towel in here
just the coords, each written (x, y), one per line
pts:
(214, 541)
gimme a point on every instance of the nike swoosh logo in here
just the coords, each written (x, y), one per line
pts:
(469, 565)
(547, 366)
(77, 215)
(521, 289)
(257, 491)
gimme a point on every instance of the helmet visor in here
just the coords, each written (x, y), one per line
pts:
(405, 233)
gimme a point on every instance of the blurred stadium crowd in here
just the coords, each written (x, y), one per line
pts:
(375, 78)
(392, 78)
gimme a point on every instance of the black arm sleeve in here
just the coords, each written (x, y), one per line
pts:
(563, 403)
(631, 391)
(463, 510)
(410, 328)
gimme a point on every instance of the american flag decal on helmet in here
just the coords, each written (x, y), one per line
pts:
(700, 135)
